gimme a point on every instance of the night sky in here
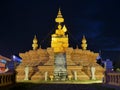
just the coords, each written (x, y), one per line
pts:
(20, 20)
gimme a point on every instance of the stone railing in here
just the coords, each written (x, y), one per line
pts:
(7, 78)
(112, 78)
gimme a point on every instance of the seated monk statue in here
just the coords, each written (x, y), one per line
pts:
(61, 32)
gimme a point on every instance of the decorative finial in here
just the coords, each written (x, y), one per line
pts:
(64, 28)
(59, 18)
(77, 47)
(84, 44)
(40, 47)
(35, 43)
(59, 14)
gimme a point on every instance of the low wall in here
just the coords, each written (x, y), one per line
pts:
(112, 78)
(7, 78)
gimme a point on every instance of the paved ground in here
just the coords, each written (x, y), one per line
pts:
(51, 86)
(64, 87)
(111, 86)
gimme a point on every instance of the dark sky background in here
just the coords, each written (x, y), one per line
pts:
(20, 20)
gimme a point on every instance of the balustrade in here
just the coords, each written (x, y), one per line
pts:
(7, 78)
(112, 78)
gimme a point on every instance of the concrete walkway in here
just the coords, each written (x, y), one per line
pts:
(111, 86)
(94, 85)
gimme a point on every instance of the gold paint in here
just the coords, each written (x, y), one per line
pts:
(59, 18)
(35, 45)
(84, 44)
(59, 40)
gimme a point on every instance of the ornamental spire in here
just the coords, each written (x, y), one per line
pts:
(59, 14)
(59, 18)
(77, 47)
(35, 43)
(84, 44)
(59, 41)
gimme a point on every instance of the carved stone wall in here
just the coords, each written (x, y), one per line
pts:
(42, 60)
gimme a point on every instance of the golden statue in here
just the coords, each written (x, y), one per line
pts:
(60, 31)
(59, 40)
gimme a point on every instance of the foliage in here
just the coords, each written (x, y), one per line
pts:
(118, 70)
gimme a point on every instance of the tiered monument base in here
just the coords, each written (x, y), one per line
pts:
(41, 65)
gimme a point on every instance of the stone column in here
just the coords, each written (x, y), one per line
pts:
(26, 73)
(110, 78)
(2, 80)
(75, 75)
(93, 73)
(119, 79)
(10, 79)
(46, 76)
(116, 79)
